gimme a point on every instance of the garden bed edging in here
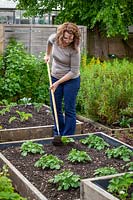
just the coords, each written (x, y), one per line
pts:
(28, 133)
(25, 188)
(91, 189)
(113, 131)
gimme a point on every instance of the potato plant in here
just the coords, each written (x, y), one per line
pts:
(49, 161)
(119, 186)
(76, 155)
(31, 147)
(104, 171)
(94, 141)
(66, 180)
(121, 152)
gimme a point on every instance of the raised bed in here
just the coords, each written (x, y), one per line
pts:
(24, 186)
(96, 188)
(20, 183)
(123, 134)
(28, 133)
(105, 128)
(33, 132)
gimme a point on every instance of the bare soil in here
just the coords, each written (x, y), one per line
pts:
(39, 177)
(44, 117)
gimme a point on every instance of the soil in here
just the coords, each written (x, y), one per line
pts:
(44, 117)
(39, 177)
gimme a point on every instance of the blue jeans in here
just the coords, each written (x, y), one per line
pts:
(66, 92)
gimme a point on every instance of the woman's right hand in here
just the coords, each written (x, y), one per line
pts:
(47, 58)
(54, 86)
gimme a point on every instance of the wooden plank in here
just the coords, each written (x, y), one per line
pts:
(28, 133)
(89, 190)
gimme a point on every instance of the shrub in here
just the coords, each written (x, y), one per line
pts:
(22, 75)
(106, 89)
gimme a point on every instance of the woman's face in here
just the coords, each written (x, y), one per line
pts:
(67, 38)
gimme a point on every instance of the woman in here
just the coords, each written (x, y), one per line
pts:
(64, 46)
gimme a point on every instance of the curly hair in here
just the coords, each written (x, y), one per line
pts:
(71, 28)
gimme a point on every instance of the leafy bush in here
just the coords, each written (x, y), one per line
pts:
(106, 89)
(129, 165)
(23, 116)
(22, 75)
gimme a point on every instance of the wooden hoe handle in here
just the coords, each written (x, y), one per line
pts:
(53, 100)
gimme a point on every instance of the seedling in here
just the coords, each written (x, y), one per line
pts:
(66, 140)
(23, 116)
(12, 119)
(129, 165)
(66, 180)
(121, 152)
(94, 141)
(104, 171)
(25, 101)
(125, 122)
(31, 147)
(78, 156)
(118, 186)
(7, 108)
(4, 171)
(37, 106)
(49, 161)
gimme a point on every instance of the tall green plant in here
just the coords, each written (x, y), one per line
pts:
(106, 89)
(22, 75)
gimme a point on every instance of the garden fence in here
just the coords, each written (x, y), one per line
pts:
(34, 37)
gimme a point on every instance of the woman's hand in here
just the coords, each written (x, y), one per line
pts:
(47, 58)
(54, 86)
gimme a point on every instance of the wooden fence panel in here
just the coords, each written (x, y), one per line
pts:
(34, 37)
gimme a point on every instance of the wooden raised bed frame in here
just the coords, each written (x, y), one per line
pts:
(26, 189)
(91, 190)
(29, 133)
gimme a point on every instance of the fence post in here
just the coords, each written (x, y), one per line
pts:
(1, 39)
